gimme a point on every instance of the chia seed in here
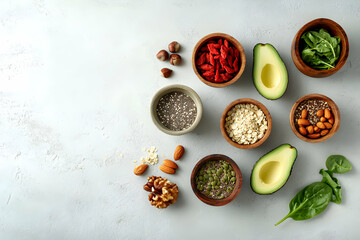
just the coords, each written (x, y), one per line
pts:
(312, 106)
(176, 111)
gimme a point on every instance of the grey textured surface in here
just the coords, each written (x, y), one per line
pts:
(76, 80)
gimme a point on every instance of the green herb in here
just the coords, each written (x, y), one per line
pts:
(321, 50)
(333, 183)
(338, 164)
(309, 202)
(314, 198)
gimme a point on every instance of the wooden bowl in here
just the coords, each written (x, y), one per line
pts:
(237, 187)
(234, 42)
(334, 109)
(259, 105)
(297, 45)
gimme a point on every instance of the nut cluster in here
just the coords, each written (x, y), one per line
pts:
(174, 59)
(246, 124)
(321, 128)
(162, 192)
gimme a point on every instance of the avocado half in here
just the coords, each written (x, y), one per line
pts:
(272, 170)
(270, 75)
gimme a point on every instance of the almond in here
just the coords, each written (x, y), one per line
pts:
(166, 169)
(331, 120)
(179, 151)
(320, 113)
(304, 114)
(310, 129)
(170, 163)
(327, 125)
(327, 113)
(303, 131)
(139, 170)
(304, 122)
(320, 125)
(324, 132)
(322, 119)
(316, 129)
(315, 135)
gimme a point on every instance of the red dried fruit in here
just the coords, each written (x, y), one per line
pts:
(231, 51)
(223, 62)
(217, 75)
(225, 77)
(216, 45)
(207, 57)
(220, 41)
(209, 74)
(212, 61)
(201, 59)
(207, 67)
(228, 69)
(224, 51)
(236, 53)
(216, 57)
(226, 43)
(230, 59)
(236, 65)
(212, 49)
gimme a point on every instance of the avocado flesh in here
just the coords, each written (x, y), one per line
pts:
(269, 72)
(273, 169)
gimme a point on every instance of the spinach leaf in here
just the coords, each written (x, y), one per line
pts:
(334, 184)
(321, 51)
(338, 164)
(309, 202)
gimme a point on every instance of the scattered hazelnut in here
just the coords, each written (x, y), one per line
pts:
(175, 59)
(174, 47)
(162, 55)
(165, 72)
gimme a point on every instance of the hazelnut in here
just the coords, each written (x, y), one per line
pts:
(162, 55)
(165, 72)
(174, 47)
(175, 59)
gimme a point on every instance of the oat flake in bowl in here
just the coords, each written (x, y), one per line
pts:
(246, 123)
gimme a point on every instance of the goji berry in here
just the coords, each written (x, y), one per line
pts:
(212, 49)
(228, 69)
(217, 76)
(236, 65)
(226, 43)
(216, 45)
(223, 62)
(236, 53)
(225, 77)
(201, 59)
(207, 67)
(231, 51)
(223, 51)
(204, 49)
(207, 57)
(209, 74)
(216, 57)
(220, 41)
(212, 61)
(230, 59)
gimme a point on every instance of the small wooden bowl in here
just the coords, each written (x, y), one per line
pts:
(237, 187)
(259, 105)
(334, 109)
(234, 42)
(298, 44)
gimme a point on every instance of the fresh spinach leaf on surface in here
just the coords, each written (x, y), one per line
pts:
(338, 164)
(334, 184)
(321, 51)
(309, 202)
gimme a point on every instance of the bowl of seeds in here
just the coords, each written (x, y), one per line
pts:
(314, 118)
(246, 123)
(176, 109)
(216, 180)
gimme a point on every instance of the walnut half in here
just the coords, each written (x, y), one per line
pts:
(162, 192)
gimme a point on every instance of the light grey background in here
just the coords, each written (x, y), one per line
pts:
(76, 80)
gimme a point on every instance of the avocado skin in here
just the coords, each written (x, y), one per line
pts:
(253, 70)
(292, 166)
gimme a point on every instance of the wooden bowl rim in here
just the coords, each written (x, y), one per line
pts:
(237, 187)
(302, 66)
(259, 105)
(334, 108)
(234, 42)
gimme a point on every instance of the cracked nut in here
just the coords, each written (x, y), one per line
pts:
(162, 55)
(174, 47)
(175, 59)
(165, 72)
(163, 193)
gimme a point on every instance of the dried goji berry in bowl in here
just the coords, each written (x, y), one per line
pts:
(218, 60)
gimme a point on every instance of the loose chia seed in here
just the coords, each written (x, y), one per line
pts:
(312, 106)
(176, 111)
